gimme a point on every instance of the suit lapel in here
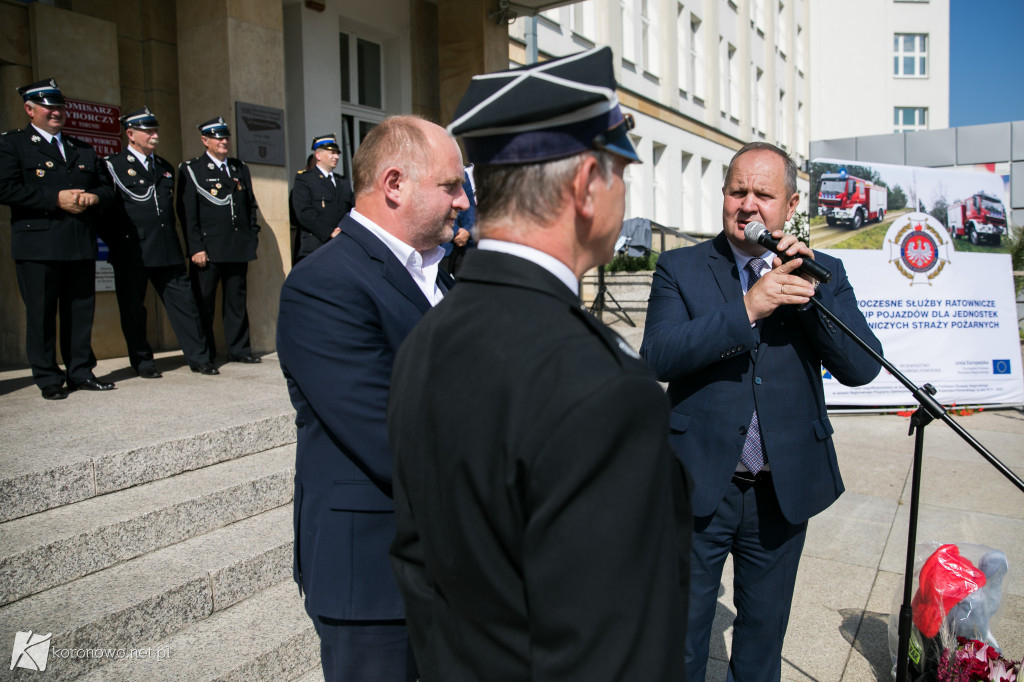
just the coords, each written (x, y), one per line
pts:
(394, 272)
(43, 145)
(723, 267)
(71, 153)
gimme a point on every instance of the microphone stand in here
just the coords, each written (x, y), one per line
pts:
(929, 410)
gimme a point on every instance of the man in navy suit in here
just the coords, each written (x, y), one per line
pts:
(344, 311)
(730, 329)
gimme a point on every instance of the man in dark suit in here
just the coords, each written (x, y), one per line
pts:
(54, 186)
(344, 311)
(217, 208)
(730, 328)
(544, 525)
(144, 248)
(320, 198)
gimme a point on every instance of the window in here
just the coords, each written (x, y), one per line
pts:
(781, 134)
(682, 48)
(798, 48)
(628, 36)
(760, 105)
(909, 119)
(581, 19)
(910, 55)
(696, 57)
(801, 138)
(661, 183)
(649, 35)
(780, 31)
(757, 15)
(730, 83)
(552, 16)
(362, 93)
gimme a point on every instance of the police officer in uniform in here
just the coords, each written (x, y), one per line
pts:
(218, 210)
(54, 186)
(320, 198)
(144, 248)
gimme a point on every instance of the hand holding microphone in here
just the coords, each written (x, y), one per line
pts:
(756, 233)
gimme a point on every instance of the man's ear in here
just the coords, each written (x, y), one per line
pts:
(391, 184)
(793, 202)
(583, 186)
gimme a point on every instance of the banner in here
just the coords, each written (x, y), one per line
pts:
(944, 317)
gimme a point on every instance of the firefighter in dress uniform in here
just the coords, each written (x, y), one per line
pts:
(320, 198)
(144, 248)
(218, 210)
(54, 186)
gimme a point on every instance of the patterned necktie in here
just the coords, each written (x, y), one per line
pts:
(752, 454)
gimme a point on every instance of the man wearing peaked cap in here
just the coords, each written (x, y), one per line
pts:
(320, 198)
(543, 527)
(144, 248)
(218, 211)
(54, 186)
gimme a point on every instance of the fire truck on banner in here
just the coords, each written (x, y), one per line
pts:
(980, 218)
(848, 199)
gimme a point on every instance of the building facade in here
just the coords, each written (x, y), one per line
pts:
(702, 78)
(881, 66)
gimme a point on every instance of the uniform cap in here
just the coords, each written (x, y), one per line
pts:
(140, 119)
(215, 127)
(544, 112)
(42, 92)
(326, 142)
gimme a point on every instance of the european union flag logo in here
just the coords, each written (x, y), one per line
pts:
(1000, 366)
(825, 374)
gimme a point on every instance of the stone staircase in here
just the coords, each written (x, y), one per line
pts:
(153, 521)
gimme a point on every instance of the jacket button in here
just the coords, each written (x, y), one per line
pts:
(743, 430)
(757, 380)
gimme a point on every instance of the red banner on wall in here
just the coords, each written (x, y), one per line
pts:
(95, 123)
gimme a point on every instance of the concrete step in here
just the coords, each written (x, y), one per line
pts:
(266, 637)
(38, 481)
(59, 545)
(145, 600)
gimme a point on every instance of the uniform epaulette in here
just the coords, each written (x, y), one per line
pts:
(11, 131)
(299, 173)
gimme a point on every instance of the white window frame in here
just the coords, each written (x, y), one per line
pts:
(920, 119)
(697, 51)
(917, 53)
(649, 43)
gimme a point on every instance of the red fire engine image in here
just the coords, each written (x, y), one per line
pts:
(851, 200)
(980, 218)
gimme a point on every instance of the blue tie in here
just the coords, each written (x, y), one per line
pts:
(752, 455)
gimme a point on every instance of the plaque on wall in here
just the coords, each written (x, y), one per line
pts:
(259, 134)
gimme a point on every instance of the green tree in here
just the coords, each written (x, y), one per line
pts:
(939, 211)
(897, 198)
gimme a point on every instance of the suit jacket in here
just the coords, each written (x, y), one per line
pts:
(318, 206)
(344, 311)
(543, 526)
(466, 220)
(140, 227)
(218, 215)
(698, 339)
(32, 174)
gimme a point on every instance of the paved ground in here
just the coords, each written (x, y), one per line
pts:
(852, 564)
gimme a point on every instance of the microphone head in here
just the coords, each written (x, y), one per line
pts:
(753, 231)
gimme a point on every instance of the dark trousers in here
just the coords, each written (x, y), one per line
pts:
(174, 289)
(231, 277)
(766, 554)
(358, 651)
(67, 289)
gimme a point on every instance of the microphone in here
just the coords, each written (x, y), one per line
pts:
(756, 233)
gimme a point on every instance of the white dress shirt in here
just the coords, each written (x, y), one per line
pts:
(421, 266)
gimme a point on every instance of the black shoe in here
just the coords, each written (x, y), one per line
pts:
(204, 368)
(247, 359)
(54, 392)
(149, 373)
(90, 385)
